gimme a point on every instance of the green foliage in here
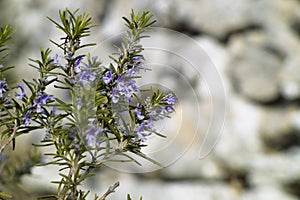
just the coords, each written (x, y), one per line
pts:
(5, 196)
(75, 26)
(83, 128)
(5, 36)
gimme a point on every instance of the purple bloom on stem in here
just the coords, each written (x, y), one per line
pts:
(155, 114)
(108, 78)
(26, 118)
(54, 111)
(142, 129)
(167, 110)
(91, 135)
(55, 61)
(43, 99)
(139, 114)
(1, 66)
(78, 61)
(77, 67)
(124, 87)
(132, 71)
(3, 86)
(22, 94)
(115, 95)
(86, 76)
(169, 99)
(136, 62)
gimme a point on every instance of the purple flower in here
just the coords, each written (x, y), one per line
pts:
(108, 78)
(155, 113)
(43, 99)
(86, 76)
(129, 88)
(3, 86)
(169, 99)
(142, 129)
(124, 88)
(136, 63)
(54, 111)
(77, 67)
(167, 110)
(1, 66)
(26, 118)
(115, 95)
(139, 114)
(133, 71)
(137, 60)
(91, 135)
(22, 95)
(55, 60)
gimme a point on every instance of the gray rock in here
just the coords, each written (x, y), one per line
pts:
(290, 79)
(277, 130)
(254, 69)
(239, 142)
(215, 17)
(275, 169)
(267, 193)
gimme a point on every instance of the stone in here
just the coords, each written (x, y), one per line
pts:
(275, 168)
(205, 15)
(254, 69)
(277, 131)
(239, 142)
(290, 79)
(267, 193)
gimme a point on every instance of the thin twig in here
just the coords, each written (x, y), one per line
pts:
(100, 162)
(110, 190)
(12, 136)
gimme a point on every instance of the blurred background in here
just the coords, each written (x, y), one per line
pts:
(241, 56)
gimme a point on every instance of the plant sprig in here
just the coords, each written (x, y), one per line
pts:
(105, 113)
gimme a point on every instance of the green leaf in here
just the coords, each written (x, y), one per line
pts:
(51, 197)
(5, 195)
(148, 158)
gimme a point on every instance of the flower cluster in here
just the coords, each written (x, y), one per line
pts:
(146, 114)
(124, 85)
(126, 98)
(92, 136)
(21, 95)
(37, 107)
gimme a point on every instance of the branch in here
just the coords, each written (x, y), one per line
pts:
(12, 136)
(110, 190)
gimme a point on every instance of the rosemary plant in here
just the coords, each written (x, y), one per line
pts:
(105, 114)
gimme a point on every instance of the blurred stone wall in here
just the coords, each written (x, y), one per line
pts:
(254, 46)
